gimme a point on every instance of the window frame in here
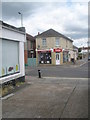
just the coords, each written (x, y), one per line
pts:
(44, 42)
(57, 42)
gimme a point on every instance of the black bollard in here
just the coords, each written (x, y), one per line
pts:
(39, 73)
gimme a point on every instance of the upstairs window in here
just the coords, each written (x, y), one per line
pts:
(57, 41)
(44, 42)
(31, 45)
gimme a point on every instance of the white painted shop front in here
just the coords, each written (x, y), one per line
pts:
(11, 53)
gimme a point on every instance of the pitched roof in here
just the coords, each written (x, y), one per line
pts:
(29, 37)
(75, 47)
(52, 33)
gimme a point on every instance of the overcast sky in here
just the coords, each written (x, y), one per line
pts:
(69, 18)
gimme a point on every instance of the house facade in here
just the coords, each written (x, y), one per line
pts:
(29, 48)
(75, 49)
(53, 48)
(11, 53)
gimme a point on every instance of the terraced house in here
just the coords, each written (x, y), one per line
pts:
(53, 48)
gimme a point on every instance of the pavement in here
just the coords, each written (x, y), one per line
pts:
(49, 98)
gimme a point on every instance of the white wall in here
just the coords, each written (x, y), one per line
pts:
(21, 58)
(12, 35)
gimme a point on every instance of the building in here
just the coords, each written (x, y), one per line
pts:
(75, 49)
(29, 48)
(11, 53)
(85, 52)
(53, 48)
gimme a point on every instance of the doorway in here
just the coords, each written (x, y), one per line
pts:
(57, 58)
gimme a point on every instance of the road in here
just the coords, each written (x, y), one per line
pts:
(60, 71)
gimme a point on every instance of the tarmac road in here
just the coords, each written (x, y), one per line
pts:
(73, 71)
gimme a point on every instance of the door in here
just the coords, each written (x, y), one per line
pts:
(57, 58)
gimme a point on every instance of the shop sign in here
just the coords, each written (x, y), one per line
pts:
(43, 51)
(57, 50)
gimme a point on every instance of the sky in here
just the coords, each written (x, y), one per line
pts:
(68, 17)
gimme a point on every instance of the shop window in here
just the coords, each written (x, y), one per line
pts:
(44, 42)
(45, 58)
(29, 54)
(31, 45)
(10, 57)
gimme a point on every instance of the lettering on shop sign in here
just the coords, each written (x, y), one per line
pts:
(10, 69)
(57, 50)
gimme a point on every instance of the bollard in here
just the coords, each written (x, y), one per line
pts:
(39, 73)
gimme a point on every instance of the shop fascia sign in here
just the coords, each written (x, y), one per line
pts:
(46, 50)
(65, 50)
(57, 50)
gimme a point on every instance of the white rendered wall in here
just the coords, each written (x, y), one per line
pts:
(21, 58)
(12, 35)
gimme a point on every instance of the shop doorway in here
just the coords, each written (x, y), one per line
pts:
(57, 58)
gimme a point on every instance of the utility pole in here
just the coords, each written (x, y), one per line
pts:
(21, 18)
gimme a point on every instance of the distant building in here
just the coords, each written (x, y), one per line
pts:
(29, 48)
(11, 53)
(75, 49)
(53, 48)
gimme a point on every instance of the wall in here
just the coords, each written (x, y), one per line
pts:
(25, 56)
(31, 62)
(13, 35)
(66, 44)
(0, 57)
(51, 43)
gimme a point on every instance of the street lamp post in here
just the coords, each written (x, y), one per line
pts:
(21, 18)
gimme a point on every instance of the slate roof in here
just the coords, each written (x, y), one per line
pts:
(75, 47)
(52, 33)
(29, 37)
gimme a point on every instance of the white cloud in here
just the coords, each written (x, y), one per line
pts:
(66, 19)
(81, 42)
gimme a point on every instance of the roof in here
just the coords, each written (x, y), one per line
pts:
(52, 33)
(21, 29)
(29, 37)
(75, 47)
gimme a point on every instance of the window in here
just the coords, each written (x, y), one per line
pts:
(44, 42)
(10, 57)
(45, 58)
(57, 41)
(31, 45)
